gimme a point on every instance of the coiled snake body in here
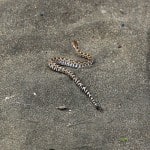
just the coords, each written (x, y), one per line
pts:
(56, 64)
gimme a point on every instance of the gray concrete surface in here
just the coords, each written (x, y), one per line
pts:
(116, 33)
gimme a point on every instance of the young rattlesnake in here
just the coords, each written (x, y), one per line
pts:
(56, 64)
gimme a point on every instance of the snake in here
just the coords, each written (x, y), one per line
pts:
(57, 63)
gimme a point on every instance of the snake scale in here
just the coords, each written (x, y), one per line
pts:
(56, 64)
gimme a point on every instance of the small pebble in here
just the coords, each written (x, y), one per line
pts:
(69, 124)
(34, 93)
(121, 11)
(119, 46)
(42, 14)
(62, 108)
(122, 25)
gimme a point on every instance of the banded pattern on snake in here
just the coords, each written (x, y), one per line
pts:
(56, 64)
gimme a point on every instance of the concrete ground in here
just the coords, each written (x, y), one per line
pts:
(116, 33)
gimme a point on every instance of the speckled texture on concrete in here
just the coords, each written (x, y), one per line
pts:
(116, 33)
